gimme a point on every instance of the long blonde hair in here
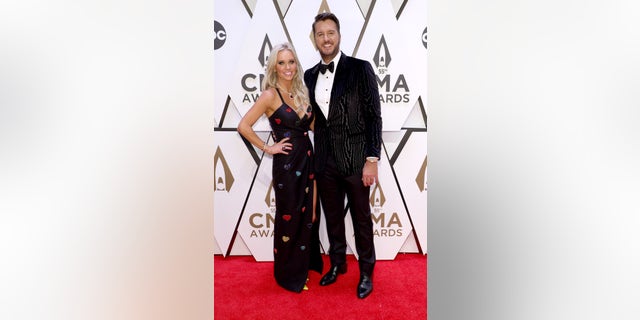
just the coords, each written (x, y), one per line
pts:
(298, 89)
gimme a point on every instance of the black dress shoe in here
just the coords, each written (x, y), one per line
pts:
(365, 286)
(331, 276)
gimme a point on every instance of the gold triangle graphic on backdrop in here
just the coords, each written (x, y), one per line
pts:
(421, 179)
(222, 176)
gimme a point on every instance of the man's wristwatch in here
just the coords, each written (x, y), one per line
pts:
(372, 159)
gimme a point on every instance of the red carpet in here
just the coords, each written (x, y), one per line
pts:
(245, 289)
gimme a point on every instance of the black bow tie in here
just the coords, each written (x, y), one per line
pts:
(324, 67)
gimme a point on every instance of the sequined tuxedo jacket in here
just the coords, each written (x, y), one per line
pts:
(352, 130)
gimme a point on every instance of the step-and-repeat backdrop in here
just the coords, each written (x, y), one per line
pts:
(392, 36)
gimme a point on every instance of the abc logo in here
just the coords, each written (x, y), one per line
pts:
(219, 36)
(424, 37)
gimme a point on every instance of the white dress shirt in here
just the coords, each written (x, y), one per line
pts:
(324, 85)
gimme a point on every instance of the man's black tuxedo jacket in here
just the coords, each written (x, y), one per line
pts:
(353, 128)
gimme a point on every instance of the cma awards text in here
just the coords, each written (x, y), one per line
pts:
(262, 224)
(250, 83)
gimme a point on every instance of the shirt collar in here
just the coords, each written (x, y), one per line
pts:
(334, 60)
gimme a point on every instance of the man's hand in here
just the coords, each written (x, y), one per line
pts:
(369, 173)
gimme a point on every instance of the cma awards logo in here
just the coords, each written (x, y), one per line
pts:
(221, 174)
(421, 179)
(396, 88)
(262, 222)
(384, 225)
(251, 82)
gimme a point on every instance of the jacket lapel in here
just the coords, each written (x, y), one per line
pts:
(339, 86)
(312, 83)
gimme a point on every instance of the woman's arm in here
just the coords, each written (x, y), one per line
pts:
(262, 106)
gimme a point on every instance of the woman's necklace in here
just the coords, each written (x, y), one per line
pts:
(287, 92)
(291, 96)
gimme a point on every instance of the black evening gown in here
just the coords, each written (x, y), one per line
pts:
(296, 245)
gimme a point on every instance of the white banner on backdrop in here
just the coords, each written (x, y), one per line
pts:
(251, 61)
(256, 225)
(391, 35)
(412, 54)
(397, 69)
(229, 34)
(233, 173)
(411, 170)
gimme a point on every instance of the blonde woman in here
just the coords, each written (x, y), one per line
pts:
(285, 102)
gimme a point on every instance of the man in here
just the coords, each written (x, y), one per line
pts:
(347, 134)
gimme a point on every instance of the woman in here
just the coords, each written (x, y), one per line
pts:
(285, 101)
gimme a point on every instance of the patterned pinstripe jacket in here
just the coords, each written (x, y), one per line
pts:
(353, 129)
